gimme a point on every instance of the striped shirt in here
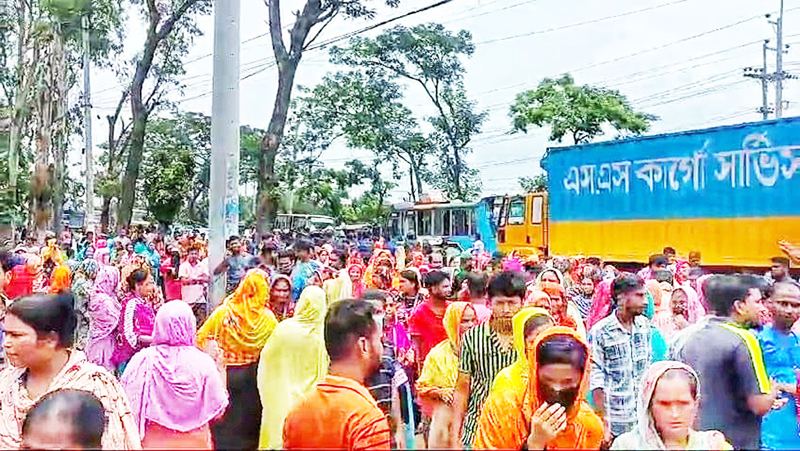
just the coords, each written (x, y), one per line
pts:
(482, 358)
(619, 361)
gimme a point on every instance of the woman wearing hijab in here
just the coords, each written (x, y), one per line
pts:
(292, 362)
(61, 279)
(669, 407)
(553, 275)
(175, 390)
(558, 305)
(280, 297)
(506, 418)
(241, 327)
(356, 273)
(684, 309)
(437, 382)
(104, 313)
(82, 283)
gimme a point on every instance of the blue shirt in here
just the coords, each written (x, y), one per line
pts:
(779, 429)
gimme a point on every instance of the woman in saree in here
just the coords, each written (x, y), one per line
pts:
(436, 384)
(156, 297)
(61, 279)
(506, 417)
(241, 327)
(82, 284)
(175, 389)
(292, 362)
(558, 305)
(104, 313)
(669, 407)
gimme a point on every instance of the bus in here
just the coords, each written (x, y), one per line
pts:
(435, 222)
(312, 223)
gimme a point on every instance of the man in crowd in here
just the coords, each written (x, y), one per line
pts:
(339, 412)
(235, 264)
(781, 350)
(475, 284)
(303, 268)
(779, 272)
(656, 263)
(425, 325)
(485, 350)
(621, 353)
(735, 391)
(285, 262)
(437, 261)
(194, 277)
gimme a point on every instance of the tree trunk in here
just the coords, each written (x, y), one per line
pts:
(267, 181)
(21, 108)
(105, 214)
(60, 142)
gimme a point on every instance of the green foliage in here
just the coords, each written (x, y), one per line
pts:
(428, 57)
(169, 163)
(535, 184)
(578, 111)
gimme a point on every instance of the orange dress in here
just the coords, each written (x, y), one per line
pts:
(506, 416)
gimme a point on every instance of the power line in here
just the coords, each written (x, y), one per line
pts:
(579, 24)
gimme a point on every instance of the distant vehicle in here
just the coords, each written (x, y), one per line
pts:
(438, 223)
(729, 192)
(312, 223)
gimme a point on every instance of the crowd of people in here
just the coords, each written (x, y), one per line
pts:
(324, 342)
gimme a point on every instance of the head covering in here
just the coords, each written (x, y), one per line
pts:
(515, 377)
(577, 433)
(506, 415)
(562, 318)
(292, 362)
(244, 322)
(534, 297)
(104, 311)
(558, 274)
(645, 435)
(61, 279)
(441, 364)
(512, 263)
(88, 268)
(172, 383)
(452, 322)
(358, 285)
(601, 303)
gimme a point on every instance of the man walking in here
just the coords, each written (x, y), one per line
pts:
(621, 353)
(194, 277)
(485, 350)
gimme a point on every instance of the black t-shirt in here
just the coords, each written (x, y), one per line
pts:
(730, 366)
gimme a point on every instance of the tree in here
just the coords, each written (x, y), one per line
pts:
(428, 56)
(169, 162)
(316, 15)
(535, 184)
(577, 111)
(169, 31)
(367, 113)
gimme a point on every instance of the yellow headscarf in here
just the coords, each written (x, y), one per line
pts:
(515, 377)
(441, 365)
(292, 362)
(243, 323)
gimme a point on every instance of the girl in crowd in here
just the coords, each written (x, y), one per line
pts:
(292, 362)
(280, 297)
(137, 318)
(437, 382)
(241, 327)
(669, 407)
(175, 389)
(104, 313)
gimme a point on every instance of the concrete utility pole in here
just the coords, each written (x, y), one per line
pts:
(765, 77)
(223, 209)
(779, 67)
(88, 218)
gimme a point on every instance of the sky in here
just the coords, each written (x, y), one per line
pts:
(681, 60)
